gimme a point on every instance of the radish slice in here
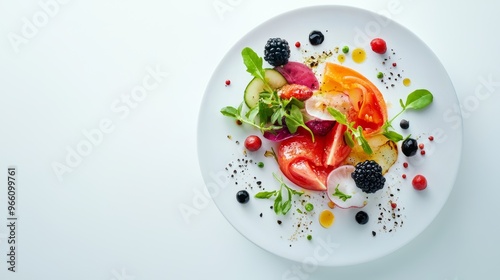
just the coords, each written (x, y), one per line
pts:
(342, 189)
(317, 105)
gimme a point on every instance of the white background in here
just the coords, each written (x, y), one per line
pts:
(116, 215)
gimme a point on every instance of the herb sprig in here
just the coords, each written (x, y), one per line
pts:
(272, 112)
(351, 132)
(417, 100)
(281, 206)
(340, 194)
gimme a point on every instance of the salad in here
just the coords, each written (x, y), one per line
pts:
(331, 132)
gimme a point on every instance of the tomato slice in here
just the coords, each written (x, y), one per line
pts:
(309, 176)
(336, 149)
(372, 111)
(367, 101)
(308, 164)
(302, 161)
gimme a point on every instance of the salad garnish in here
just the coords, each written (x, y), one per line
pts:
(417, 100)
(272, 111)
(281, 206)
(351, 132)
(340, 194)
(277, 101)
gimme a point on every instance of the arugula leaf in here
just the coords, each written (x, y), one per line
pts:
(340, 194)
(253, 63)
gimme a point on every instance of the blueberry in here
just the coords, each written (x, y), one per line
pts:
(362, 217)
(409, 147)
(316, 37)
(404, 124)
(242, 196)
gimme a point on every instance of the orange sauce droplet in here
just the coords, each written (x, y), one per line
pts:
(341, 58)
(358, 55)
(406, 82)
(326, 218)
(331, 204)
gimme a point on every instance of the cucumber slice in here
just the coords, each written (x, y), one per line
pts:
(256, 87)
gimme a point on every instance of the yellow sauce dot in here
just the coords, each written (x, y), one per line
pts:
(341, 58)
(331, 204)
(326, 218)
(358, 55)
(406, 82)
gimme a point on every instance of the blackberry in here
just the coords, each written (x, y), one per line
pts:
(368, 176)
(277, 51)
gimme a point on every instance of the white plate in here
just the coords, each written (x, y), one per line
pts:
(346, 242)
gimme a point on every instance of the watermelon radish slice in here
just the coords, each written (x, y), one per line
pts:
(342, 189)
(298, 73)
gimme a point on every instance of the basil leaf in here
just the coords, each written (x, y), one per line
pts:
(253, 63)
(418, 99)
(229, 112)
(265, 195)
(393, 136)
